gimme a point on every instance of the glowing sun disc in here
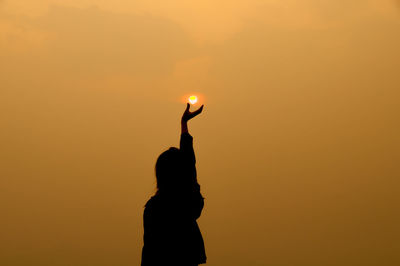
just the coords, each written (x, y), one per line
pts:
(193, 99)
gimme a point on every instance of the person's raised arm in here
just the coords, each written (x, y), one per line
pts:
(196, 201)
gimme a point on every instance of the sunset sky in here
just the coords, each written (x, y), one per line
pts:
(298, 146)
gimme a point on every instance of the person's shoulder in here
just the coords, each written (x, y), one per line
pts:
(154, 207)
(152, 202)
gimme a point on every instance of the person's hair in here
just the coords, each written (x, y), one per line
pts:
(169, 171)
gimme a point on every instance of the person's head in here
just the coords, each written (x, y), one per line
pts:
(170, 170)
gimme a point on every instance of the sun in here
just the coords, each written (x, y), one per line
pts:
(193, 99)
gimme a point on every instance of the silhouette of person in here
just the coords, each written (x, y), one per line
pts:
(171, 233)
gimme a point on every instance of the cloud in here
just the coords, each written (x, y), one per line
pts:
(91, 41)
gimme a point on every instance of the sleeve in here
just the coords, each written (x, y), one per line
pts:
(196, 200)
(186, 146)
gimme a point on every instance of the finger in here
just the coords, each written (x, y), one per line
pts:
(198, 111)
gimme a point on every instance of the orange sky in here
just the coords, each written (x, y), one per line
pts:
(297, 148)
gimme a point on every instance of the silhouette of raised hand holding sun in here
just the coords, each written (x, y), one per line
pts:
(187, 115)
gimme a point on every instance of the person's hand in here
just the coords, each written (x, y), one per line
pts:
(187, 115)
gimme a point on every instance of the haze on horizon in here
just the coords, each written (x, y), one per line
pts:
(297, 148)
